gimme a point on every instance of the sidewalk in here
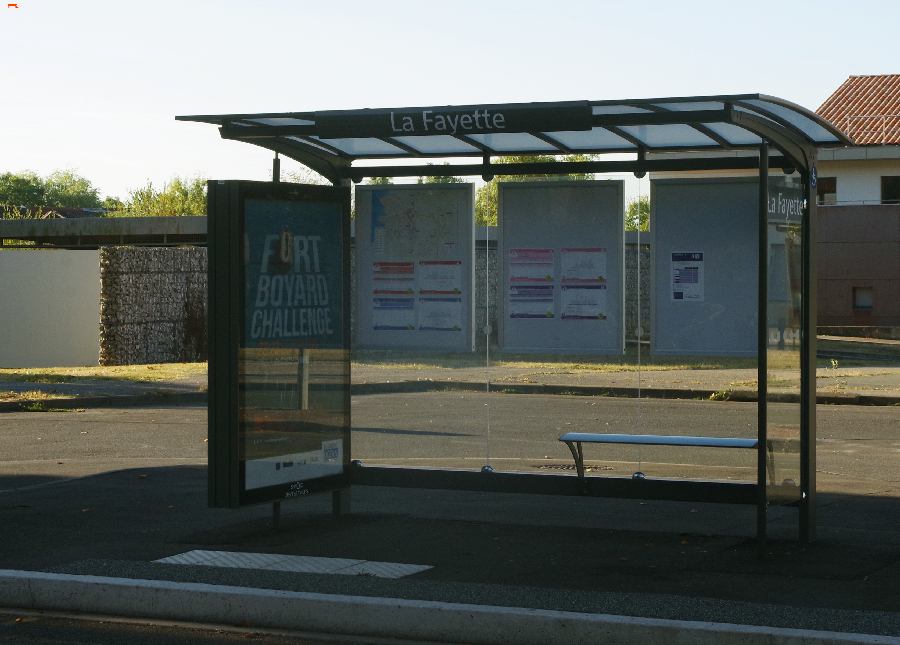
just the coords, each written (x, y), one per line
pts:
(842, 385)
(501, 568)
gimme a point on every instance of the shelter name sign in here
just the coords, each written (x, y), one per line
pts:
(456, 120)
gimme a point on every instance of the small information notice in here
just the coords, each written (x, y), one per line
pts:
(687, 276)
(397, 314)
(531, 301)
(583, 266)
(393, 278)
(440, 314)
(441, 277)
(583, 302)
(530, 265)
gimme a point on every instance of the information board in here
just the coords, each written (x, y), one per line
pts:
(279, 341)
(414, 269)
(562, 258)
(704, 266)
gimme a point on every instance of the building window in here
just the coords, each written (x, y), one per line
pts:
(862, 298)
(826, 191)
(890, 190)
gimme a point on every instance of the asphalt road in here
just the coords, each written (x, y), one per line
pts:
(856, 444)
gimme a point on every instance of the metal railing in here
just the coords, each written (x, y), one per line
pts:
(883, 130)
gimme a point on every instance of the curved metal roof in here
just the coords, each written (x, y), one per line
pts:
(330, 141)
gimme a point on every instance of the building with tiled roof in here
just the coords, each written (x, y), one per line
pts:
(867, 108)
(859, 222)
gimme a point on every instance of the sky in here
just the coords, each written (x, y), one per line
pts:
(94, 86)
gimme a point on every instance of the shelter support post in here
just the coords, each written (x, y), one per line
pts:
(762, 345)
(808, 354)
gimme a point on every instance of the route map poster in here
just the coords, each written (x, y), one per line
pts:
(415, 267)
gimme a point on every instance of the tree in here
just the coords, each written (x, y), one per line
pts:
(637, 214)
(64, 188)
(304, 176)
(434, 179)
(21, 189)
(380, 181)
(486, 196)
(178, 197)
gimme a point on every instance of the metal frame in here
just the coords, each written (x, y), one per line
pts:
(303, 136)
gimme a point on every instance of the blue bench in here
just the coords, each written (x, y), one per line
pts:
(575, 439)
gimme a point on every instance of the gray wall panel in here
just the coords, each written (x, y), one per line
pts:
(567, 222)
(718, 218)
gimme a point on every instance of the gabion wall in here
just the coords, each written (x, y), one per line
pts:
(152, 305)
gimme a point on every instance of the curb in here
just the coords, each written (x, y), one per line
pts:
(382, 617)
(746, 396)
(409, 387)
(109, 401)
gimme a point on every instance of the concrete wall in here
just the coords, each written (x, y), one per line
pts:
(49, 308)
(859, 246)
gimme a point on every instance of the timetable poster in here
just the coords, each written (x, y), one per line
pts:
(687, 277)
(415, 267)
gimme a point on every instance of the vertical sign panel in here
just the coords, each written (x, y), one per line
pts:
(704, 266)
(289, 351)
(415, 267)
(562, 267)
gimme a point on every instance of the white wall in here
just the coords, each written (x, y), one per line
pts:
(49, 308)
(859, 171)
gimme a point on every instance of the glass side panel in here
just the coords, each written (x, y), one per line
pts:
(786, 197)
(293, 367)
(562, 319)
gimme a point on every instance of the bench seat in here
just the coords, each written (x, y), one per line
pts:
(575, 439)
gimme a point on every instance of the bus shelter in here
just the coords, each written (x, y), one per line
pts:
(731, 276)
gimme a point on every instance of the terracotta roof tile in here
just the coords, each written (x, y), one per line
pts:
(867, 108)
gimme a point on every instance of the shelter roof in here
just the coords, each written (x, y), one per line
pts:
(329, 142)
(866, 108)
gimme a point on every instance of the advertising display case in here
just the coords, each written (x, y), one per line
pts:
(279, 342)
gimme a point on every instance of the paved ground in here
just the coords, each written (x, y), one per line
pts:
(139, 495)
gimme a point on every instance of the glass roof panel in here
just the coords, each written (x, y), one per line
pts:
(512, 142)
(282, 121)
(365, 147)
(734, 134)
(800, 121)
(309, 143)
(595, 139)
(439, 144)
(668, 136)
(675, 106)
(617, 109)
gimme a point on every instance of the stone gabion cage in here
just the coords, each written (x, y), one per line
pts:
(153, 305)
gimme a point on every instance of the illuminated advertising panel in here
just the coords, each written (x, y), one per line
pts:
(288, 354)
